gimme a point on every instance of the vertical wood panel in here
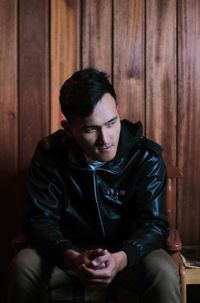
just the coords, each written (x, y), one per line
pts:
(65, 49)
(8, 130)
(8, 87)
(161, 75)
(33, 75)
(97, 34)
(189, 119)
(129, 58)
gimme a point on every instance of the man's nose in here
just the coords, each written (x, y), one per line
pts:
(103, 137)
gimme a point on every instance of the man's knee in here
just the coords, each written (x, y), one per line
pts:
(28, 277)
(160, 265)
(24, 276)
(26, 262)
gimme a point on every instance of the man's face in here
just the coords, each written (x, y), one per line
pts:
(98, 134)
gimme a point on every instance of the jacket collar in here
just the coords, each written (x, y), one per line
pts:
(129, 137)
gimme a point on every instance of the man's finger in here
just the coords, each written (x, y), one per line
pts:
(100, 260)
(95, 273)
(93, 253)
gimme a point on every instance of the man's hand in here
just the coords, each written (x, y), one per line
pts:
(96, 268)
(73, 259)
(101, 277)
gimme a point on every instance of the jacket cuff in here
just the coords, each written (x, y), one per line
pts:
(132, 253)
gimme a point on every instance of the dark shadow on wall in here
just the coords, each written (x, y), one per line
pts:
(12, 212)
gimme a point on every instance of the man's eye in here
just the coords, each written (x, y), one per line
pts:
(111, 123)
(90, 130)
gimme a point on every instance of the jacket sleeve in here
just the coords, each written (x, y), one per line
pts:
(42, 225)
(148, 209)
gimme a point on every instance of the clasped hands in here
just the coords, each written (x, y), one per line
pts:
(95, 268)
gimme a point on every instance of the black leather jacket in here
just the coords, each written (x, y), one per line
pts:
(120, 205)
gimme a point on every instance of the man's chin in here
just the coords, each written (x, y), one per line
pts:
(105, 157)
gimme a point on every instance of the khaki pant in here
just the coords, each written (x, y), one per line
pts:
(155, 279)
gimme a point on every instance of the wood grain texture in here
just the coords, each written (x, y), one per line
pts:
(8, 87)
(189, 120)
(97, 34)
(33, 76)
(161, 99)
(8, 131)
(8, 107)
(65, 50)
(129, 58)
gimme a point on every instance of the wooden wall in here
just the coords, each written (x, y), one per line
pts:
(151, 51)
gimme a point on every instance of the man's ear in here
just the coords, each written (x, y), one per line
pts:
(66, 126)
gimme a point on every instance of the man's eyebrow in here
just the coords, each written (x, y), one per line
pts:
(96, 126)
(112, 120)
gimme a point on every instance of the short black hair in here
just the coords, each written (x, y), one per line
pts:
(82, 91)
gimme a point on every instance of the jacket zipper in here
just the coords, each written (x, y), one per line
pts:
(96, 198)
(97, 203)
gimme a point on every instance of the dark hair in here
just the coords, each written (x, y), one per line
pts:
(82, 91)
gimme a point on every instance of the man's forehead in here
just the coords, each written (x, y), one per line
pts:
(104, 111)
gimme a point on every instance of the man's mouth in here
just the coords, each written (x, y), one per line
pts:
(105, 148)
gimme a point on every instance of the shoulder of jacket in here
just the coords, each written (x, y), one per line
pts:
(151, 145)
(52, 141)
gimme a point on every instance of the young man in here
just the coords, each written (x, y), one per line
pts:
(97, 210)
